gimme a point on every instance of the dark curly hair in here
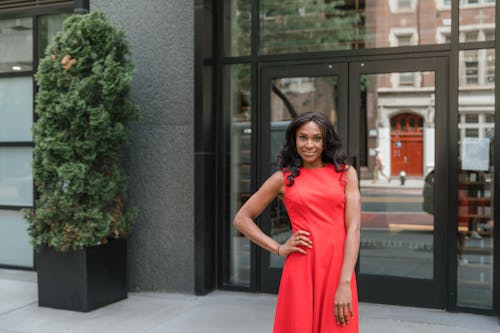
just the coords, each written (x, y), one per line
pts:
(290, 161)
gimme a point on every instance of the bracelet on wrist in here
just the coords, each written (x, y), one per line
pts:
(279, 250)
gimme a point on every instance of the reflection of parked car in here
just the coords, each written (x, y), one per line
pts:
(428, 193)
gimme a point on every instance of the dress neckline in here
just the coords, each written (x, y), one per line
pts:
(319, 168)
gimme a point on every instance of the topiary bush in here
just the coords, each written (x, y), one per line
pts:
(83, 110)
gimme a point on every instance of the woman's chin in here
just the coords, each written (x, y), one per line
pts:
(311, 161)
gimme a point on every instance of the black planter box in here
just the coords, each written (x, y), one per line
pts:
(83, 280)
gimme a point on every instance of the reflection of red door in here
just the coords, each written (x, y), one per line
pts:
(406, 144)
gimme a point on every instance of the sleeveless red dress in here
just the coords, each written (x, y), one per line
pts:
(315, 203)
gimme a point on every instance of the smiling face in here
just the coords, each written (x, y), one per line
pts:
(309, 144)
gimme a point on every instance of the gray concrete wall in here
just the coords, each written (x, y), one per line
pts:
(160, 156)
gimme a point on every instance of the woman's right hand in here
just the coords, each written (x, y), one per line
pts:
(295, 243)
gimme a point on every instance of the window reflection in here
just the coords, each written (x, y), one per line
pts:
(49, 26)
(490, 66)
(16, 45)
(237, 100)
(290, 97)
(397, 222)
(237, 19)
(405, 4)
(290, 26)
(477, 67)
(475, 181)
(477, 20)
(302, 26)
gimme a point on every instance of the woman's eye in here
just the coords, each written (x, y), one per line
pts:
(302, 138)
(317, 139)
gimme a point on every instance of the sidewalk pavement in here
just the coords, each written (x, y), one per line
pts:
(219, 311)
(395, 183)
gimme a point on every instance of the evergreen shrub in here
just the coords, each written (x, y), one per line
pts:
(83, 110)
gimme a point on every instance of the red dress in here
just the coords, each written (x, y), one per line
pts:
(315, 203)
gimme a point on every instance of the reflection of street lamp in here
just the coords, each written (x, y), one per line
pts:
(402, 177)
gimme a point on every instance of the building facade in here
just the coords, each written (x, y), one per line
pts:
(162, 140)
(410, 83)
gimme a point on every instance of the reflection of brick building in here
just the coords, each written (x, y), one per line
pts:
(406, 23)
(409, 22)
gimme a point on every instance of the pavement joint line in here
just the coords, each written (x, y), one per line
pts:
(442, 327)
(18, 308)
(392, 213)
(416, 322)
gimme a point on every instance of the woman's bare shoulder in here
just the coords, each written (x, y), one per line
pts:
(277, 181)
(277, 178)
(351, 174)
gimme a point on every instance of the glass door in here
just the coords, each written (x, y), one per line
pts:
(286, 92)
(391, 116)
(397, 135)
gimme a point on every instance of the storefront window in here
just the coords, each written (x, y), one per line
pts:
(477, 20)
(391, 126)
(16, 120)
(477, 68)
(16, 189)
(475, 186)
(16, 45)
(237, 100)
(305, 26)
(16, 181)
(49, 26)
(208, 28)
(16, 109)
(396, 181)
(237, 32)
(290, 26)
(290, 97)
(15, 247)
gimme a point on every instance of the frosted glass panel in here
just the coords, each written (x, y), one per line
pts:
(16, 45)
(15, 247)
(16, 109)
(16, 180)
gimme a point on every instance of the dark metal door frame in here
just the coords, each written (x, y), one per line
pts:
(383, 289)
(267, 276)
(398, 290)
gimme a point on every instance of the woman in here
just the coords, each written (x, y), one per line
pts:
(320, 191)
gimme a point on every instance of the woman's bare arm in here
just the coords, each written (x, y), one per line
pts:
(343, 297)
(254, 206)
(352, 225)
